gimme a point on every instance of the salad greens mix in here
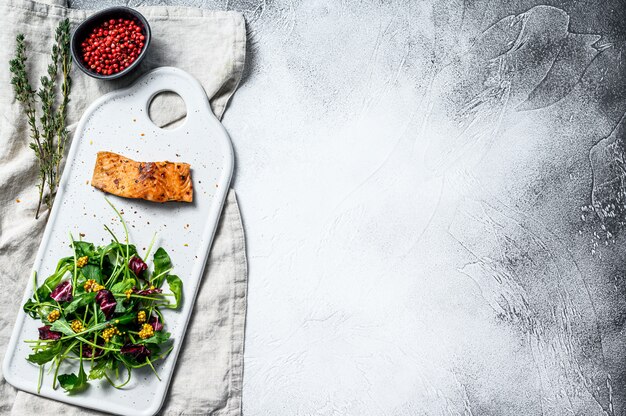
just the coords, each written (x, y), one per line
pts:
(102, 306)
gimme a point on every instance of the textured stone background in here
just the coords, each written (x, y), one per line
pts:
(434, 198)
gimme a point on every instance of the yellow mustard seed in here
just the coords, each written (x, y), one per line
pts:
(146, 331)
(141, 317)
(109, 333)
(77, 326)
(128, 293)
(89, 284)
(92, 286)
(54, 315)
(81, 262)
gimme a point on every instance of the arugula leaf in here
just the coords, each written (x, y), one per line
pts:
(62, 326)
(79, 301)
(50, 283)
(159, 337)
(101, 316)
(73, 383)
(99, 370)
(32, 308)
(162, 264)
(124, 285)
(119, 306)
(176, 286)
(46, 355)
(122, 320)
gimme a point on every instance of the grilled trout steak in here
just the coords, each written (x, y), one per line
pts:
(152, 181)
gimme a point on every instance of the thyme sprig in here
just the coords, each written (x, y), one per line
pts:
(63, 41)
(50, 135)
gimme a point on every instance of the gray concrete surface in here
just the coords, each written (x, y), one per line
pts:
(434, 199)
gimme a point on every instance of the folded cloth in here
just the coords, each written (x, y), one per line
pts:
(211, 46)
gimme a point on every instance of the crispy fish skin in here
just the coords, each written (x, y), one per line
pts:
(152, 181)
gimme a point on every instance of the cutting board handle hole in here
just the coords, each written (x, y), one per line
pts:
(167, 110)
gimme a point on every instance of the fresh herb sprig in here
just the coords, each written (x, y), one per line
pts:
(48, 136)
(102, 306)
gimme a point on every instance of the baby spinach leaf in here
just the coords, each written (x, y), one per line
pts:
(73, 383)
(162, 265)
(63, 262)
(132, 250)
(176, 286)
(79, 301)
(83, 248)
(91, 271)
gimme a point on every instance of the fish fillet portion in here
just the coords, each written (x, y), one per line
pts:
(152, 181)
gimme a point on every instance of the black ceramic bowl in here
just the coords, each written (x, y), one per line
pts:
(84, 29)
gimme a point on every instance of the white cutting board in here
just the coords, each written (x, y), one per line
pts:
(119, 122)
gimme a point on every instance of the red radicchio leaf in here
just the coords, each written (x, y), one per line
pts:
(45, 333)
(63, 292)
(138, 352)
(107, 302)
(148, 291)
(88, 350)
(156, 325)
(137, 266)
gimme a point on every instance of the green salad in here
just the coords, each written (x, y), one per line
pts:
(102, 307)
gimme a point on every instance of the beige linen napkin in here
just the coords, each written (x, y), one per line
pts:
(211, 46)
